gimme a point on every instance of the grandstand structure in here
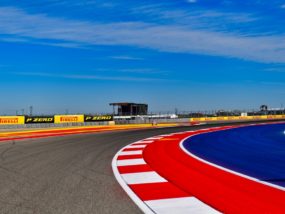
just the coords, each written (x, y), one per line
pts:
(129, 109)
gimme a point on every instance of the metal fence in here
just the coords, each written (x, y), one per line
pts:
(153, 121)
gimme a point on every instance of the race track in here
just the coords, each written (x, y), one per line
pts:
(70, 174)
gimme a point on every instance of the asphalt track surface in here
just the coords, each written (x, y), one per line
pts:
(70, 174)
(256, 151)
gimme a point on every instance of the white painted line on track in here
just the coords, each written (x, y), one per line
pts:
(143, 178)
(130, 162)
(180, 206)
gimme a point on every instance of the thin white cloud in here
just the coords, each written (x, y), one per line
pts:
(88, 77)
(126, 58)
(196, 18)
(142, 71)
(275, 69)
(147, 71)
(168, 38)
(283, 6)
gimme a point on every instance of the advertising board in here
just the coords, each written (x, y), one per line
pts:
(12, 120)
(69, 118)
(39, 119)
(97, 118)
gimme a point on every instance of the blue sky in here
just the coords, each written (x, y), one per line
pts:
(184, 54)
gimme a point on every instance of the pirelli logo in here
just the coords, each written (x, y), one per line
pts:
(69, 119)
(9, 120)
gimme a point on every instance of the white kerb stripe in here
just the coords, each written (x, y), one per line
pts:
(136, 146)
(146, 141)
(142, 178)
(130, 162)
(180, 206)
(143, 141)
(153, 138)
(136, 152)
(166, 135)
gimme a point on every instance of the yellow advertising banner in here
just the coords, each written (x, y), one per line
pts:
(12, 120)
(210, 118)
(195, 119)
(69, 118)
(222, 118)
(259, 117)
(275, 116)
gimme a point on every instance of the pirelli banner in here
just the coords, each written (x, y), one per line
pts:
(97, 118)
(276, 117)
(39, 119)
(81, 118)
(69, 118)
(15, 120)
(12, 120)
(262, 117)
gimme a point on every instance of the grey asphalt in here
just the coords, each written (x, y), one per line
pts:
(66, 175)
(69, 174)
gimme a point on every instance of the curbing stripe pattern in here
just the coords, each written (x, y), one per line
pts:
(150, 191)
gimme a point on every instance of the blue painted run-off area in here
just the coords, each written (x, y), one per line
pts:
(256, 151)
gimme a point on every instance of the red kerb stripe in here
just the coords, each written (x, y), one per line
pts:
(139, 144)
(125, 157)
(134, 168)
(132, 149)
(155, 191)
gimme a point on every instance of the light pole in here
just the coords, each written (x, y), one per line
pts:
(31, 110)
